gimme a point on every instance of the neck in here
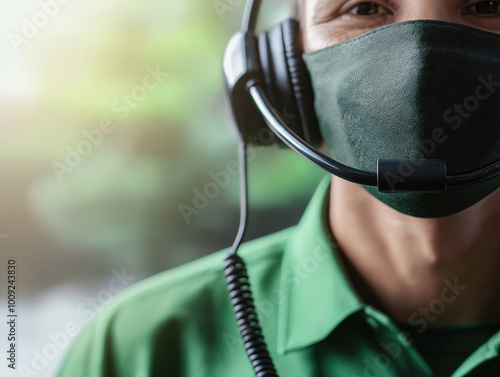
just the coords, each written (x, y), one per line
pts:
(439, 270)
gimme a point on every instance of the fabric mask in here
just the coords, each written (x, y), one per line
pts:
(416, 89)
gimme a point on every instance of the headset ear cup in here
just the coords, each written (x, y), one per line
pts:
(277, 82)
(300, 82)
(287, 80)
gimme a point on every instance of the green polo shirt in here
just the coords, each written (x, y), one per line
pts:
(181, 323)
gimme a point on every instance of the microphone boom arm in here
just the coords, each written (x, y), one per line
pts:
(427, 175)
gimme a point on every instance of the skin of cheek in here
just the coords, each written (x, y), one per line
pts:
(314, 36)
(318, 37)
(319, 32)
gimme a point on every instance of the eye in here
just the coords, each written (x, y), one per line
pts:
(484, 8)
(368, 9)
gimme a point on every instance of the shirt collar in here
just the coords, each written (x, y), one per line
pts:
(317, 293)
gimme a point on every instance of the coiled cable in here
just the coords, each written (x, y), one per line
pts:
(240, 291)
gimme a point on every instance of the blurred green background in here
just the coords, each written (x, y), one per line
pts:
(72, 209)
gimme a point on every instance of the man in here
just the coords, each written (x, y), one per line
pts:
(360, 287)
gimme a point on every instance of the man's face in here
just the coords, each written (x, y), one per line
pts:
(326, 22)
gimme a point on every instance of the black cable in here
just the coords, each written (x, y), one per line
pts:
(489, 172)
(250, 16)
(240, 290)
(242, 157)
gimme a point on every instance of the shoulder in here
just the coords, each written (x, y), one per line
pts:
(186, 305)
(201, 273)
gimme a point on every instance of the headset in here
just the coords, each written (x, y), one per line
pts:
(265, 79)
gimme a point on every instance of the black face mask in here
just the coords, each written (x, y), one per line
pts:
(417, 89)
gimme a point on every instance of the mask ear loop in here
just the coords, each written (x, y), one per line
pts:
(240, 291)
